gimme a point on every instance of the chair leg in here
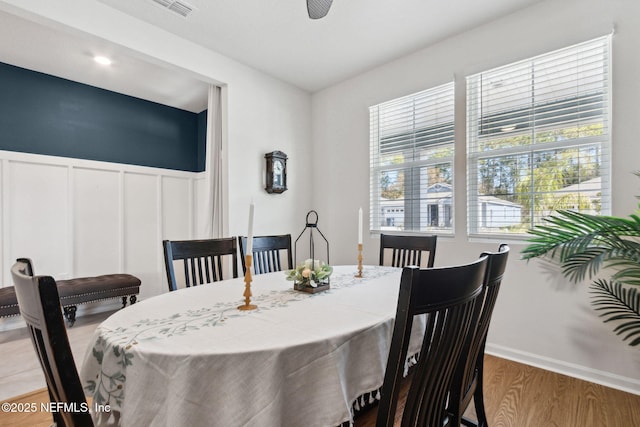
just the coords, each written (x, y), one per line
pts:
(58, 420)
(467, 422)
(70, 314)
(478, 398)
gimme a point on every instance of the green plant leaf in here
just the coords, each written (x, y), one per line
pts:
(583, 244)
(618, 303)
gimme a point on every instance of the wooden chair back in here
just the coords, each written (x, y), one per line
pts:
(408, 250)
(468, 381)
(202, 260)
(449, 297)
(40, 308)
(267, 253)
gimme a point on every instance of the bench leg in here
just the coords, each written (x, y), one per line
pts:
(132, 299)
(70, 314)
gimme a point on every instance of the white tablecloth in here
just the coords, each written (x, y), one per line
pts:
(190, 358)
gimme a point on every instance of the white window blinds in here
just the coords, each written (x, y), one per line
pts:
(538, 138)
(411, 162)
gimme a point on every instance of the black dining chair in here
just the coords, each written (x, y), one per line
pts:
(468, 381)
(267, 253)
(201, 259)
(408, 250)
(449, 297)
(40, 308)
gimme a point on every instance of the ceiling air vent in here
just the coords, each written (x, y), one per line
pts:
(180, 7)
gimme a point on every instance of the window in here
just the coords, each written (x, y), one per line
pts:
(411, 175)
(538, 139)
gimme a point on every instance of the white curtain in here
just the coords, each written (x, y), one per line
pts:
(214, 219)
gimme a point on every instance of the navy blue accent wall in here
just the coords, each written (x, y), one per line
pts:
(202, 139)
(42, 114)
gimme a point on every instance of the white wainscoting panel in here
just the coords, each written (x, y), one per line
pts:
(200, 218)
(177, 194)
(77, 218)
(96, 221)
(38, 212)
(142, 203)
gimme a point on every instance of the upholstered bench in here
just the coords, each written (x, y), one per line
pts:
(8, 302)
(90, 289)
(80, 291)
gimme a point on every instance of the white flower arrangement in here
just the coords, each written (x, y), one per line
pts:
(310, 273)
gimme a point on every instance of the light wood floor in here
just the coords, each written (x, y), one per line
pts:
(518, 395)
(515, 394)
(20, 371)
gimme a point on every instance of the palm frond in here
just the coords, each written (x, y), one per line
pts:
(583, 264)
(627, 273)
(618, 304)
(624, 260)
(583, 243)
(626, 248)
(564, 232)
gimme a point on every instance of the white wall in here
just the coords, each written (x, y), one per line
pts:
(539, 319)
(260, 114)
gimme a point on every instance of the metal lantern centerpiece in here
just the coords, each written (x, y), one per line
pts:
(313, 275)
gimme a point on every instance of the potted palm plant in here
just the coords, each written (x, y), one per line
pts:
(582, 244)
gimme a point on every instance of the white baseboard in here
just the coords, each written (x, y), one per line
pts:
(607, 379)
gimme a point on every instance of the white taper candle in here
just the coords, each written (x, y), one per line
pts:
(250, 231)
(360, 226)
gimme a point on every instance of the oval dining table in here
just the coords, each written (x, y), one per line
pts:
(191, 358)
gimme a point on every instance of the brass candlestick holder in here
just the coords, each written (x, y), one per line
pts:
(359, 275)
(247, 285)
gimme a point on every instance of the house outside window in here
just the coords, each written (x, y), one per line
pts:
(411, 162)
(538, 139)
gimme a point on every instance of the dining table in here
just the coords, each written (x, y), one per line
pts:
(191, 358)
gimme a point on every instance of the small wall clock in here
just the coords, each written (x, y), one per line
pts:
(276, 172)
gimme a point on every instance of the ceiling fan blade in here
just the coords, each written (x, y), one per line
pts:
(318, 8)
